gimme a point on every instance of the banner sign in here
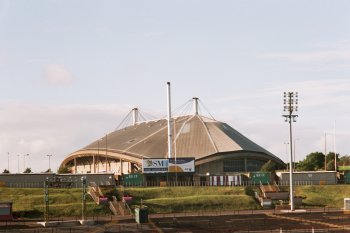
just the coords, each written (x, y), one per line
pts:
(154, 165)
(181, 165)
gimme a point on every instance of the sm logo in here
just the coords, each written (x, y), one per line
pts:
(157, 163)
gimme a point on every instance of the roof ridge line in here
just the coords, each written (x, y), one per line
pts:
(183, 125)
(210, 138)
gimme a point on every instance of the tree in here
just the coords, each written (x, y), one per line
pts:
(330, 165)
(64, 169)
(6, 171)
(313, 161)
(344, 160)
(330, 161)
(28, 170)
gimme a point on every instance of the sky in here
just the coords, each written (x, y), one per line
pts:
(70, 71)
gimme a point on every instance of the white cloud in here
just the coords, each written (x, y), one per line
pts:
(319, 56)
(57, 74)
(3, 58)
(258, 115)
(39, 130)
(311, 92)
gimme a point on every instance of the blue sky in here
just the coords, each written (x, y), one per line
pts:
(71, 70)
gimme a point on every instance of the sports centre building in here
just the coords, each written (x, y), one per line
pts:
(215, 147)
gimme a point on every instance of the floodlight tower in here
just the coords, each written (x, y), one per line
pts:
(291, 109)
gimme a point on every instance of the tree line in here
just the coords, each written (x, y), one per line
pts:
(313, 162)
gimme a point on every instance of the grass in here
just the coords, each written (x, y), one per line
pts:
(188, 199)
(324, 195)
(29, 202)
(201, 203)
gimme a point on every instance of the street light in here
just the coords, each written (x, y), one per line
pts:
(18, 163)
(290, 107)
(8, 161)
(49, 162)
(334, 148)
(325, 151)
(98, 156)
(83, 206)
(106, 154)
(287, 143)
(24, 162)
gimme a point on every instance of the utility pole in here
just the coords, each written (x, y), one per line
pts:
(83, 206)
(24, 162)
(49, 162)
(287, 143)
(18, 163)
(325, 151)
(335, 152)
(8, 161)
(46, 199)
(291, 108)
(106, 154)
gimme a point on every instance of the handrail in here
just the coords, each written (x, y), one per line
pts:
(278, 188)
(113, 208)
(127, 206)
(92, 192)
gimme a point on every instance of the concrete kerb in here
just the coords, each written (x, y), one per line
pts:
(67, 223)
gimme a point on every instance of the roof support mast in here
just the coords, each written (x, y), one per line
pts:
(135, 114)
(195, 105)
(170, 136)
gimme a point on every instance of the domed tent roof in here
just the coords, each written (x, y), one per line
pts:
(194, 136)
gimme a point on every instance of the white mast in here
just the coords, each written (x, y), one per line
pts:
(195, 105)
(169, 122)
(135, 113)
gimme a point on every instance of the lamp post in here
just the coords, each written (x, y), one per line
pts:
(83, 206)
(46, 193)
(18, 163)
(8, 161)
(325, 151)
(49, 162)
(106, 154)
(24, 162)
(287, 143)
(335, 152)
(291, 109)
(98, 156)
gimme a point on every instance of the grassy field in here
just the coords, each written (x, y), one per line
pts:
(67, 202)
(188, 199)
(29, 202)
(324, 195)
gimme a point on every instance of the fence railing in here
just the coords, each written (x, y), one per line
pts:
(208, 183)
(171, 184)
